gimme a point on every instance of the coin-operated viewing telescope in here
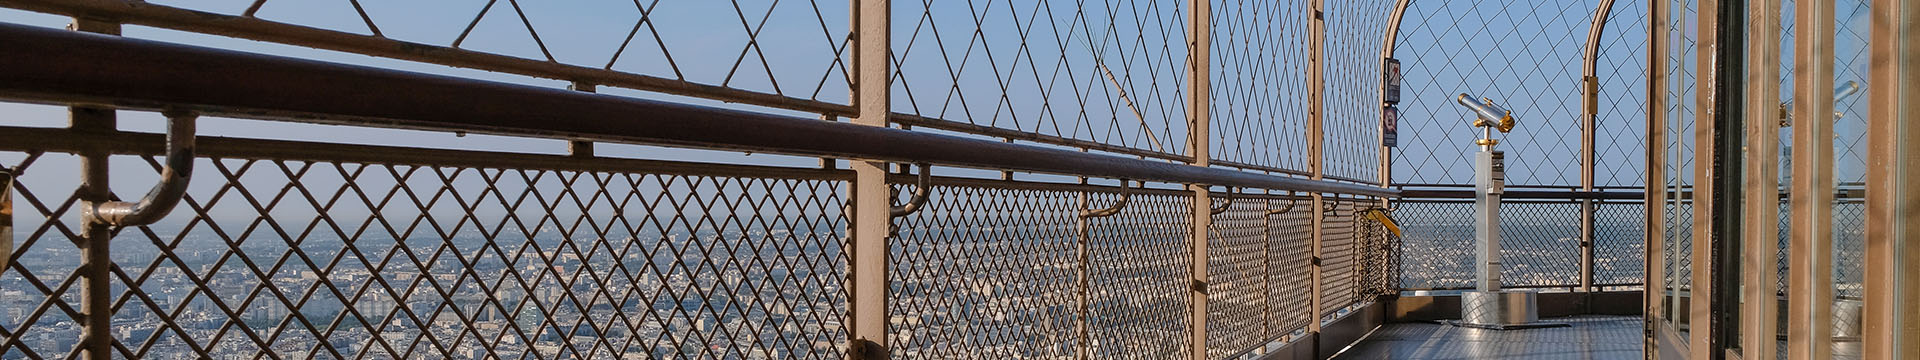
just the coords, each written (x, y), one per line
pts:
(1489, 306)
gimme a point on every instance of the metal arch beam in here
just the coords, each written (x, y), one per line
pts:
(1393, 30)
(1391, 36)
(1589, 119)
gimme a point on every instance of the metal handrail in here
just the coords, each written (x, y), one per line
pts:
(151, 74)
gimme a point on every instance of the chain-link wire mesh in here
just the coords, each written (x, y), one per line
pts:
(1140, 261)
(1620, 124)
(986, 272)
(1339, 254)
(1379, 255)
(1526, 56)
(1238, 259)
(783, 54)
(289, 259)
(1290, 237)
(1259, 261)
(1103, 72)
(357, 259)
(1540, 244)
(1619, 243)
(1260, 94)
(39, 292)
(1351, 145)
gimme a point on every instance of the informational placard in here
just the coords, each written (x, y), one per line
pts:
(1390, 126)
(1390, 82)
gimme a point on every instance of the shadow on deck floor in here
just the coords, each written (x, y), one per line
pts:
(1591, 337)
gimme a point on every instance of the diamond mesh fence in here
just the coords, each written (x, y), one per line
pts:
(304, 259)
(289, 259)
(1339, 253)
(1262, 248)
(597, 258)
(1540, 244)
(1526, 56)
(1351, 146)
(1077, 72)
(1139, 261)
(782, 54)
(1260, 103)
(987, 273)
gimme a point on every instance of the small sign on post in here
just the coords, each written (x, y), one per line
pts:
(1390, 96)
(1390, 126)
(1390, 82)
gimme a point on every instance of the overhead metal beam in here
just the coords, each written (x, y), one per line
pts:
(72, 68)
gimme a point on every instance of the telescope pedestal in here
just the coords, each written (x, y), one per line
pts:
(1501, 310)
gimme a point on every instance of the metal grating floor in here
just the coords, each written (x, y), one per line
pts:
(1590, 337)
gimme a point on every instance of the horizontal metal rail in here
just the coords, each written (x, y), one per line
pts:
(144, 144)
(253, 28)
(1527, 194)
(77, 68)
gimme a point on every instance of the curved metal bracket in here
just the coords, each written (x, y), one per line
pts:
(1590, 59)
(6, 216)
(1330, 208)
(1110, 211)
(1223, 207)
(173, 179)
(922, 189)
(1291, 199)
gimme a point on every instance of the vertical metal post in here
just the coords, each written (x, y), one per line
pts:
(1810, 255)
(1656, 181)
(1083, 276)
(1892, 327)
(1267, 327)
(581, 148)
(1728, 161)
(1589, 111)
(872, 218)
(96, 264)
(1199, 85)
(96, 329)
(1316, 87)
(1759, 312)
(1703, 333)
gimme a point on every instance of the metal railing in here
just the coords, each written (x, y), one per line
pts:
(336, 249)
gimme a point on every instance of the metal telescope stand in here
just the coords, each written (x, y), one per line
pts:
(1489, 306)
